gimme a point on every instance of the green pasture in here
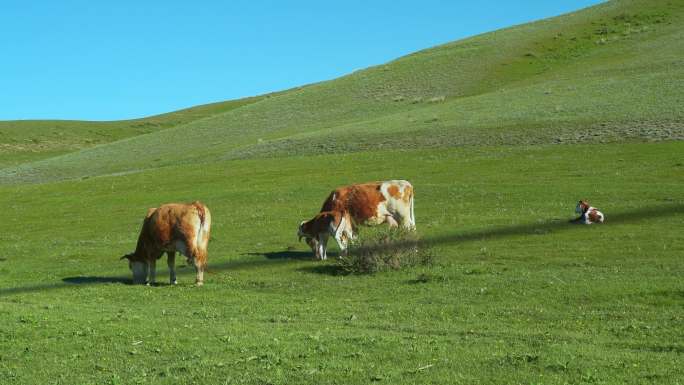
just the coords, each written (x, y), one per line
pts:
(515, 294)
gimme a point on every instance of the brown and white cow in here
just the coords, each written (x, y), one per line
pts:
(588, 214)
(374, 203)
(167, 229)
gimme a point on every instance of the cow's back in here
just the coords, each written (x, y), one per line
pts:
(172, 222)
(371, 201)
(398, 193)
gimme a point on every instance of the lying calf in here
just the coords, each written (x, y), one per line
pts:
(588, 214)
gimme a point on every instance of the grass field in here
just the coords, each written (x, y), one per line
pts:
(516, 294)
(500, 135)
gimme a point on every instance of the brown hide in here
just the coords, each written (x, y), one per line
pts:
(359, 200)
(594, 216)
(165, 225)
(321, 222)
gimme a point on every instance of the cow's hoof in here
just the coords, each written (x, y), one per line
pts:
(198, 284)
(174, 282)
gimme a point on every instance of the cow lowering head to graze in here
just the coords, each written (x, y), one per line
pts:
(588, 214)
(317, 230)
(374, 203)
(171, 228)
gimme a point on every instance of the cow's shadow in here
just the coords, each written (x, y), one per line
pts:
(94, 280)
(285, 254)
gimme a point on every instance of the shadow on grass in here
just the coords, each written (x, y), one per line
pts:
(91, 280)
(66, 282)
(529, 229)
(287, 256)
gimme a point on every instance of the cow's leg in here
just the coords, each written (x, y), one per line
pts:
(342, 242)
(152, 265)
(407, 224)
(342, 236)
(323, 246)
(391, 221)
(199, 278)
(313, 244)
(403, 216)
(199, 258)
(171, 262)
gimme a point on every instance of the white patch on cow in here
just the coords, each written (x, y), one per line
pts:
(343, 233)
(396, 212)
(139, 270)
(198, 233)
(596, 212)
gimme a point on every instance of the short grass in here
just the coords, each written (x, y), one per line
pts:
(515, 293)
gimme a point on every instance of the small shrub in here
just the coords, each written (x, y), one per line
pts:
(384, 249)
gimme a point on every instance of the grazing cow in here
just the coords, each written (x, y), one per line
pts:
(346, 207)
(171, 227)
(588, 214)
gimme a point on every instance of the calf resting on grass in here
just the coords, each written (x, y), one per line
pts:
(167, 229)
(588, 214)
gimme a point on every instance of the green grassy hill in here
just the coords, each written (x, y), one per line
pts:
(500, 135)
(24, 141)
(609, 73)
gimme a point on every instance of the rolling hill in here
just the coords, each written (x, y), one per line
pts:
(608, 73)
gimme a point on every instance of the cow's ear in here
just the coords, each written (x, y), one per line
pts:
(127, 256)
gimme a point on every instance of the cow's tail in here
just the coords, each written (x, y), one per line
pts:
(413, 217)
(202, 236)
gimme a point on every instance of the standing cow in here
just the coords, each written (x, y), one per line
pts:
(347, 207)
(169, 228)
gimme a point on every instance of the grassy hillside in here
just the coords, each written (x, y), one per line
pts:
(608, 73)
(29, 140)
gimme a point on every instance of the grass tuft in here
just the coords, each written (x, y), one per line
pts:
(383, 250)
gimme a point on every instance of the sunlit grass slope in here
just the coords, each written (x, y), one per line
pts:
(28, 140)
(516, 295)
(608, 73)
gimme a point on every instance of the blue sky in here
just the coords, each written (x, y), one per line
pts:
(124, 59)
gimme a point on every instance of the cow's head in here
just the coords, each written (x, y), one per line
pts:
(305, 231)
(582, 207)
(138, 267)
